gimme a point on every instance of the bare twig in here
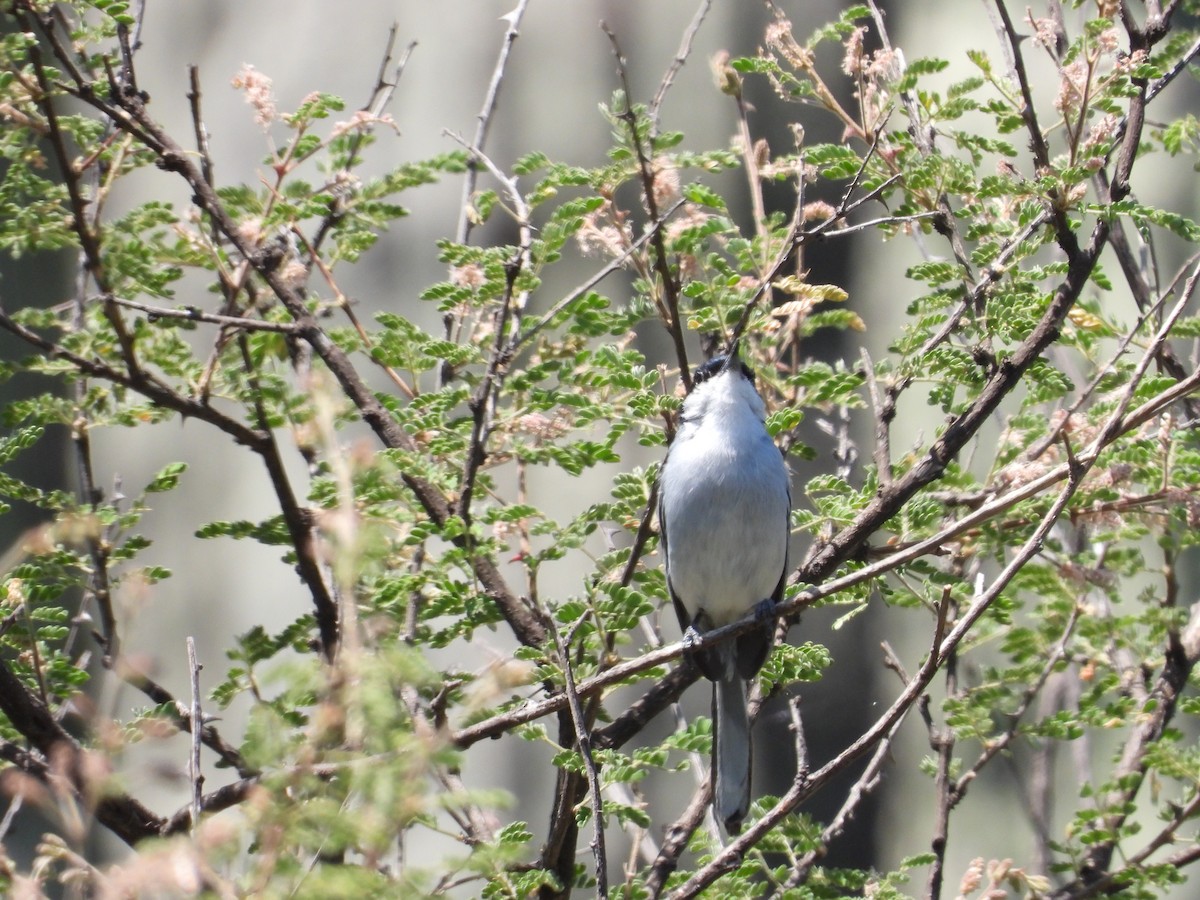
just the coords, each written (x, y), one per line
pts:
(511, 304)
(484, 120)
(799, 236)
(883, 408)
(381, 96)
(870, 779)
(125, 816)
(675, 841)
(1037, 138)
(668, 281)
(195, 776)
(148, 386)
(199, 129)
(583, 741)
(941, 741)
(681, 57)
(1182, 655)
(89, 242)
(192, 314)
(995, 746)
(181, 715)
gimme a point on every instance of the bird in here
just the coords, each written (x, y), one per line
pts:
(724, 509)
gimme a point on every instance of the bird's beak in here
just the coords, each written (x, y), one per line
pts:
(731, 358)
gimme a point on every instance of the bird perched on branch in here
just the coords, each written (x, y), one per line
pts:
(724, 507)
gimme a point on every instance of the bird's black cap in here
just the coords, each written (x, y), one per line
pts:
(719, 364)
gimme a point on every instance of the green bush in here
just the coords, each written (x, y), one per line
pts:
(1035, 535)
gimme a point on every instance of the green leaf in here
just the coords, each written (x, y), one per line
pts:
(167, 479)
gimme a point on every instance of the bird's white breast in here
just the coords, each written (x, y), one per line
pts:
(725, 503)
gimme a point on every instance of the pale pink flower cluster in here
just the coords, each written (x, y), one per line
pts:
(972, 878)
(789, 166)
(1076, 78)
(818, 211)
(878, 66)
(852, 61)
(1193, 512)
(257, 88)
(1045, 33)
(1072, 86)
(294, 273)
(781, 40)
(469, 276)
(665, 183)
(604, 232)
(1000, 873)
(546, 428)
(365, 120)
(1098, 137)
(1130, 61)
(251, 230)
(872, 71)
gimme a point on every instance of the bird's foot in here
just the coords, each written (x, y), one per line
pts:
(691, 638)
(764, 610)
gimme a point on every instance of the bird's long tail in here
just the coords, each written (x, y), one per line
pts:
(731, 752)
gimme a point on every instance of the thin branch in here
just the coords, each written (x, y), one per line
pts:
(941, 741)
(525, 621)
(484, 120)
(883, 413)
(584, 742)
(225, 797)
(823, 558)
(342, 302)
(142, 383)
(195, 775)
(381, 96)
(681, 57)
(192, 314)
(676, 839)
(128, 113)
(991, 275)
(1182, 655)
(669, 282)
(866, 784)
(125, 816)
(995, 746)
(754, 182)
(1037, 138)
(479, 825)
(945, 222)
(99, 582)
(511, 304)
(89, 242)
(181, 715)
(199, 129)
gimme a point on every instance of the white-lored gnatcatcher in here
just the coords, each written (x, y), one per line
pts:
(724, 507)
